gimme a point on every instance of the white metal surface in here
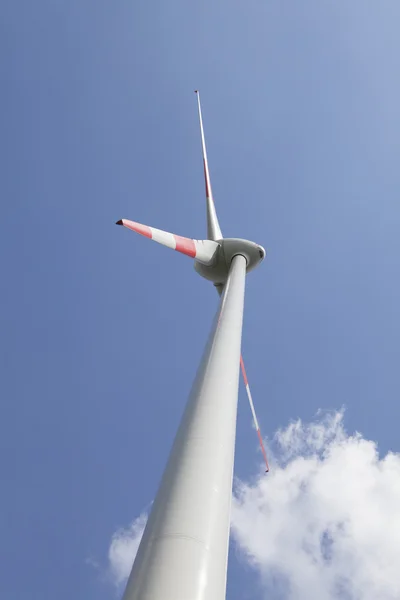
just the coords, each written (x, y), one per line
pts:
(204, 251)
(217, 272)
(253, 412)
(213, 228)
(184, 550)
(219, 289)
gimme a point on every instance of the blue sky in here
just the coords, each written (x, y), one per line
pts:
(102, 330)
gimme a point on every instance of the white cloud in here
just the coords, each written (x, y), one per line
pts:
(324, 524)
(123, 549)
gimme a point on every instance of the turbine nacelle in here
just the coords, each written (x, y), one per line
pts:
(217, 272)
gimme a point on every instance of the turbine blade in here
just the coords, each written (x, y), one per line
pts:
(213, 228)
(246, 383)
(202, 250)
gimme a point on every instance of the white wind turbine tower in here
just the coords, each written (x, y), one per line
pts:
(183, 554)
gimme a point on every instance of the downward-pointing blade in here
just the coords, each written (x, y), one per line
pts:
(202, 250)
(253, 412)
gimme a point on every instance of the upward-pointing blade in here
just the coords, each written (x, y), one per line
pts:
(202, 250)
(213, 228)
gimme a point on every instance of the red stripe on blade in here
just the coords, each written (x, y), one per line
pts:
(185, 245)
(138, 227)
(263, 449)
(243, 371)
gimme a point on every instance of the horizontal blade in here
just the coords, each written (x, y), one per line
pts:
(202, 250)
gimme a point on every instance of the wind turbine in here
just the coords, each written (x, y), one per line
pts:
(183, 554)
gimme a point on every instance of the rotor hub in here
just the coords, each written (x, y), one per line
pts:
(218, 271)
